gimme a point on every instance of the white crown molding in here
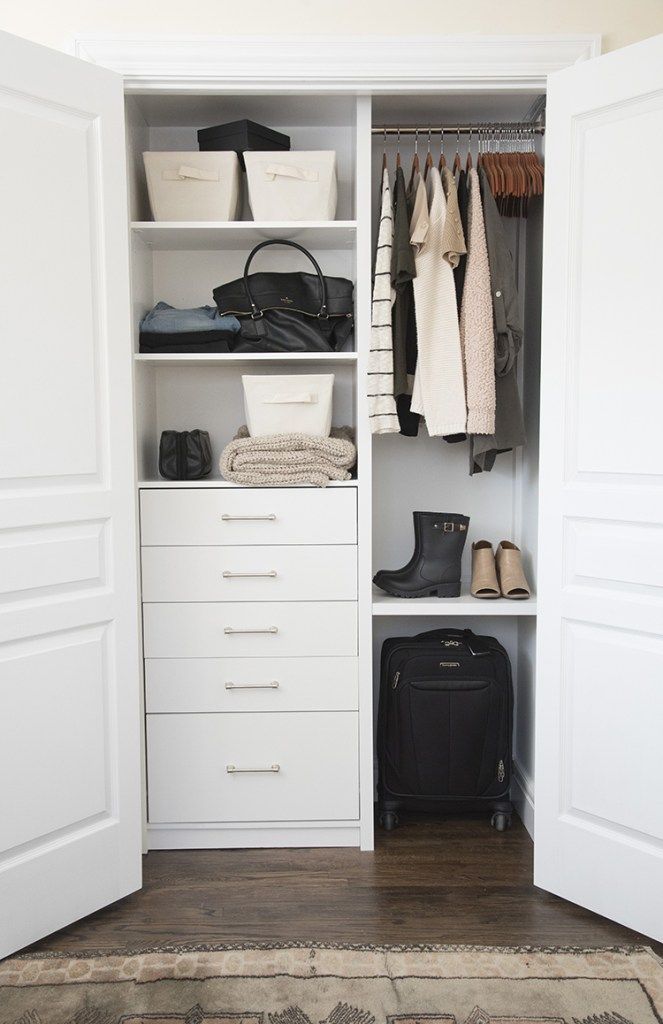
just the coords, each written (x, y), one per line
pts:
(376, 64)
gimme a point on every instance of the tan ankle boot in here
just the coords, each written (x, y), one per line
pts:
(484, 577)
(513, 582)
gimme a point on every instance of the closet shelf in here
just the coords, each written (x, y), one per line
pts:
(242, 235)
(244, 358)
(218, 482)
(384, 605)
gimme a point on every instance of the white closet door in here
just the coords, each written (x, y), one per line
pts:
(69, 694)
(599, 753)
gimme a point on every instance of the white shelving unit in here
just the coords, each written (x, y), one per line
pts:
(181, 263)
(217, 481)
(384, 605)
(189, 236)
(247, 358)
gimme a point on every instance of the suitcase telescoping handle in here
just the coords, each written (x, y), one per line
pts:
(473, 643)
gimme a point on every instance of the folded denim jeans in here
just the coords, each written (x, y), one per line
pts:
(165, 319)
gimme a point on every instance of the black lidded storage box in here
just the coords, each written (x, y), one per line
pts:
(241, 136)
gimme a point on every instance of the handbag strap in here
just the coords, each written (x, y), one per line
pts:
(256, 312)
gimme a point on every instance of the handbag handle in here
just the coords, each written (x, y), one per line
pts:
(257, 313)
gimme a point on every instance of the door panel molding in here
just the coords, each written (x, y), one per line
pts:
(70, 826)
(599, 816)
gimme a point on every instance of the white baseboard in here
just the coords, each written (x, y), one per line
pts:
(235, 836)
(522, 796)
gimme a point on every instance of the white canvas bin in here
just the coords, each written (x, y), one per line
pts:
(292, 185)
(193, 186)
(289, 404)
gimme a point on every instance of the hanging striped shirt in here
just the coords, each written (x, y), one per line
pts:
(380, 388)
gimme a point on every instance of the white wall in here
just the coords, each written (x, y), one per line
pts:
(56, 22)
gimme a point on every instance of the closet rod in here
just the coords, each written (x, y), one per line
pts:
(459, 129)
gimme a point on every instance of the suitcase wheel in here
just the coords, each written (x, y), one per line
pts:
(388, 820)
(500, 821)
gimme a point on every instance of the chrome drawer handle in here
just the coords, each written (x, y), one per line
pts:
(253, 686)
(230, 519)
(234, 770)
(227, 575)
(267, 629)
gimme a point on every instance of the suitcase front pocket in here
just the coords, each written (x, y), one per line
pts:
(448, 730)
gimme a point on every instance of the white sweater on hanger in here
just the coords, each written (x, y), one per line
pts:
(439, 390)
(380, 387)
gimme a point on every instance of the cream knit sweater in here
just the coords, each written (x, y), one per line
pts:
(476, 321)
(439, 389)
(380, 390)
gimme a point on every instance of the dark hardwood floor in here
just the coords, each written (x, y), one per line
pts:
(453, 881)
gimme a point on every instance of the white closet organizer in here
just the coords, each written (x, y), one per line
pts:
(245, 675)
(250, 613)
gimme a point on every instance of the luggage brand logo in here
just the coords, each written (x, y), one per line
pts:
(287, 301)
(449, 664)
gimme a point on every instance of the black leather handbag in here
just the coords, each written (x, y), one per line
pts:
(185, 454)
(288, 312)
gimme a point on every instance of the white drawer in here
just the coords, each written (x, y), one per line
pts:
(248, 515)
(188, 758)
(286, 573)
(267, 629)
(250, 684)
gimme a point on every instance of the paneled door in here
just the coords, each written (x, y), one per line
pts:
(599, 747)
(69, 670)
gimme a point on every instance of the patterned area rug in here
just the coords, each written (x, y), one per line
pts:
(292, 983)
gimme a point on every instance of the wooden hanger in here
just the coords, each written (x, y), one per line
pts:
(429, 157)
(443, 160)
(415, 159)
(468, 161)
(456, 163)
(485, 161)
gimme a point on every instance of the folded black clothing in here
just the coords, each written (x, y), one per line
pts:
(186, 341)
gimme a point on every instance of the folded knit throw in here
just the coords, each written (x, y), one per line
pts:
(280, 459)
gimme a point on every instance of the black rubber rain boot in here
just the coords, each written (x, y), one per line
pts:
(434, 569)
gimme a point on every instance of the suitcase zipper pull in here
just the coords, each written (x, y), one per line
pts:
(501, 771)
(396, 678)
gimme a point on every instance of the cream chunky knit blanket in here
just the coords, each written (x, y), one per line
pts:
(282, 459)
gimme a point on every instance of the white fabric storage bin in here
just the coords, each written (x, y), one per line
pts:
(193, 186)
(292, 186)
(287, 404)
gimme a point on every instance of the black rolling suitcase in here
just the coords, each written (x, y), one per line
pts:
(444, 725)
